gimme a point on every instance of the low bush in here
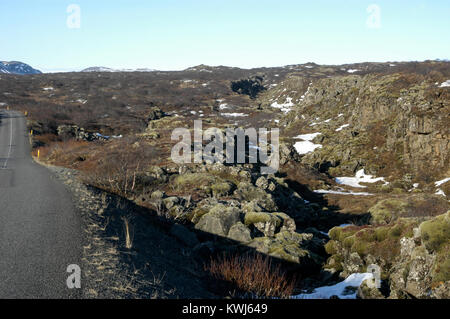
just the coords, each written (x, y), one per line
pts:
(252, 274)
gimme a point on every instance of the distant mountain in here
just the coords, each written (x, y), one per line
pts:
(105, 69)
(15, 67)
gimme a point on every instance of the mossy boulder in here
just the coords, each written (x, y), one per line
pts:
(197, 213)
(170, 202)
(240, 233)
(266, 223)
(248, 192)
(370, 243)
(366, 291)
(290, 247)
(219, 220)
(288, 223)
(221, 189)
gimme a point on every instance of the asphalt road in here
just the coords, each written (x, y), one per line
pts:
(40, 233)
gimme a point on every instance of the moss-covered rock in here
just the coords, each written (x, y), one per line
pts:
(248, 192)
(381, 243)
(240, 233)
(266, 223)
(219, 220)
(221, 189)
(290, 247)
(288, 223)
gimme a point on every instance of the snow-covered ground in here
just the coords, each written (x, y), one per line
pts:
(439, 183)
(353, 70)
(445, 84)
(285, 107)
(440, 192)
(307, 137)
(306, 146)
(234, 114)
(323, 191)
(342, 127)
(360, 177)
(340, 289)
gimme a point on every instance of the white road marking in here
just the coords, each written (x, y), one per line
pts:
(10, 143)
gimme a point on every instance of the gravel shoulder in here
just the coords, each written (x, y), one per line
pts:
(156, 266)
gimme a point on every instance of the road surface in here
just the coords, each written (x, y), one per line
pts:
(39, 229)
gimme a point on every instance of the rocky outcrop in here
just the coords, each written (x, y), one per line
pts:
(79, 133)
(412, 255)
(391, 122)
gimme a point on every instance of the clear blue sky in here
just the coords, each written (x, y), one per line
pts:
(175, 34)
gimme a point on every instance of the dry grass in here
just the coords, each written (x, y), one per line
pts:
(252, 274)
(129, 233)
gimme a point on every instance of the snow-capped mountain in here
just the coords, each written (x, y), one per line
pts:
(15, 67)
(105, 69)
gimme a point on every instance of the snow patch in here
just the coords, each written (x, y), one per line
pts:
(306, 146)
(360, 177)
(322, 191)
(342, 127)
(439, 183)
(307, 137)
(445, 84)
(340, 289)
(234, 114)
(285, 107)
(440, 192)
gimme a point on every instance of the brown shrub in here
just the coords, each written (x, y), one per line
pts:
(252, 274)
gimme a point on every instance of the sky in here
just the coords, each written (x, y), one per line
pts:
(175, 34)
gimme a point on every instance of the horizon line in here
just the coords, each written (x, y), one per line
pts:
(122, 69)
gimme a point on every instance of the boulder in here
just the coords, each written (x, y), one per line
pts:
(266, 223)
(219, 220)
(240, 233)
(262, 183)
(155, 113)
(288, 223)
(170, 202)
(368, 291)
